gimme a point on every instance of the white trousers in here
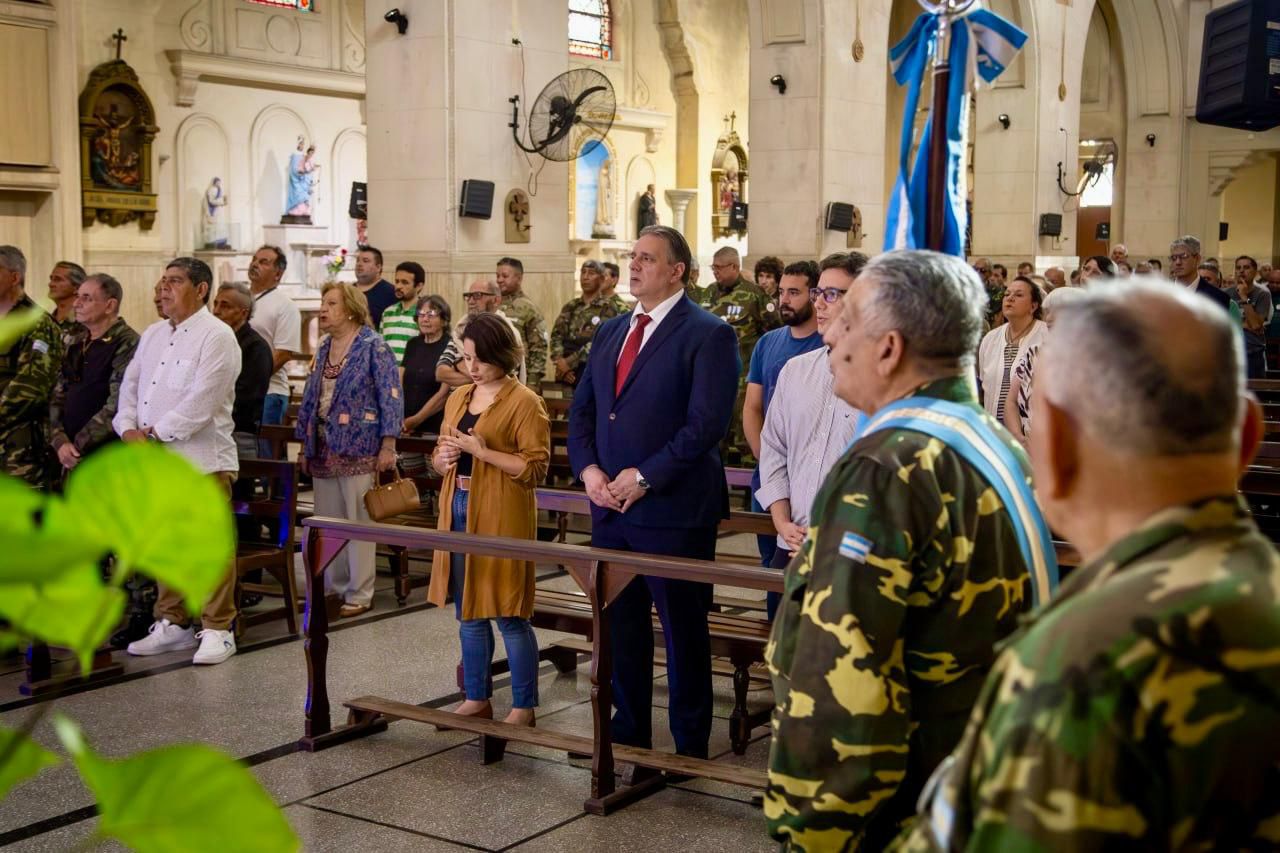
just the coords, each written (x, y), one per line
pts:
(351, 572)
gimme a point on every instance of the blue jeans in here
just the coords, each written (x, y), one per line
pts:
(273, 408)
(476, 636)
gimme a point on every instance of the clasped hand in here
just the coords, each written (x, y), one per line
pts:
(453, 444)
(619, 495)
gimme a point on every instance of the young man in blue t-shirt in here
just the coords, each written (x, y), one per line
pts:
(799, 334)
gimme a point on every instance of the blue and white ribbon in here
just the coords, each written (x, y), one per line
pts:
(982, 46)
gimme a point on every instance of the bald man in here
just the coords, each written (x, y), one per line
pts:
(1138, 710)
(1056, 277)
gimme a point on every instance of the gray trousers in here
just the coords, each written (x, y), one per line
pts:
(351, 572)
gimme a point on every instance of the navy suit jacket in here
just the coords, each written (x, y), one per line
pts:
(668, 420)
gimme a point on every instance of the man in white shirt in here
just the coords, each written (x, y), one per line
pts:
(179, 390)
(278, 320)
(806, 427)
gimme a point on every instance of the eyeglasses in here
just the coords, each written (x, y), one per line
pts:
(470, 296)
(432, 314)
(828, 294)
(1182, 256)
(715, 266)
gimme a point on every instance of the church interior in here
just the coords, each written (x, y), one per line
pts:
(138, 131)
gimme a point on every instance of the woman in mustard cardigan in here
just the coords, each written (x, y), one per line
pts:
(494, 447)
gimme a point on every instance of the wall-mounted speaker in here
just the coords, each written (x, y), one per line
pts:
(358, 208)
(1051, 225)
(1240, 66)
(1223, 228)
(1102, 232)
(738, 216)
(839, 216)
(477, 199)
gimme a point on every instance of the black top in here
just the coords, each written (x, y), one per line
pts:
(86, 370)
(256, 366)
(466, 422)
(1204, 288)
(420, 383)
(381, 297)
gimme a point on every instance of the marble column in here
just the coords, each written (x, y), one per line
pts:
(679, 201)
(437, 115)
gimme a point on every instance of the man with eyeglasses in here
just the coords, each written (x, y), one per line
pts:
(579, 320)
(179, 390)
(482, 297)
(28, 373)
(751, 313)
(88, 389)
(1184, 268)
(806, 427)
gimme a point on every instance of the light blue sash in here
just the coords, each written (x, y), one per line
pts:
(963, 430)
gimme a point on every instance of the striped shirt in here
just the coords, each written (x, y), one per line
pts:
(806, 431)
(399, 327)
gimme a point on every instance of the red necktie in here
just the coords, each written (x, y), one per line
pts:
(630, 350)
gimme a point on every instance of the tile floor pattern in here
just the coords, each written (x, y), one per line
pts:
(410, 788)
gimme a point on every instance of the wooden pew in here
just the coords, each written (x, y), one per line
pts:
(601, 573)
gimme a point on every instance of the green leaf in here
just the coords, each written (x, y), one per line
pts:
(188, 797)
(162, 516)
(35, 552)
(20, 759)
(75, 611)
(16, 324)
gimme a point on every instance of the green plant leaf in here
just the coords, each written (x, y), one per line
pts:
(75, 611)
(161, 515)
(20, 759)
(188, 797)
(37, 545)
(16, 324)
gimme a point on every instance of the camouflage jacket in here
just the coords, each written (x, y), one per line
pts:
(1138, 710)
(28, 372)
(576, 326)
(71, 329)
(528, 320)
(98, 430)
(745, 307)
(908, 576)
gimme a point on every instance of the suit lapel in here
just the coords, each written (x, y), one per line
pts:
(673, 321)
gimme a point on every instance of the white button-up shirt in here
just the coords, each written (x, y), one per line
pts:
(806, 431)
(656, 316)
(182, 382)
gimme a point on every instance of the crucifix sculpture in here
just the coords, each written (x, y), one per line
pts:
(119, 38)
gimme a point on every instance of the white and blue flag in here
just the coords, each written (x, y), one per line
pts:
(982, 46)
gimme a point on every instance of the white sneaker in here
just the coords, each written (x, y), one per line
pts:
(163, 636)
(215, 646)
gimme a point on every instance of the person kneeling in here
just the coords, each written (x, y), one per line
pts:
(494, 448)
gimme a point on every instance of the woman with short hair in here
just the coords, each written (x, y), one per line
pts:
(350, 416)
(494, 448)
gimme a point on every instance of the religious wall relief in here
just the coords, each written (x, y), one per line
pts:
(518, 223)
(117, 127)
(729, 183)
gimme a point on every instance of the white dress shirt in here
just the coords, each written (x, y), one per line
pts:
(182, 382)
(806, 431)
(656, 316)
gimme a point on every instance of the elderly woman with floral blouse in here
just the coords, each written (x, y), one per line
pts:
(350, 416)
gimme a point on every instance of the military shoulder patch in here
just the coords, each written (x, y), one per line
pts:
(855, 547)
(40, 346)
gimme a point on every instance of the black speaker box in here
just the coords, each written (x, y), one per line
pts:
(1051, 225)
(1240, 66)
(358, 208)
(738, 216)
(1223, 228)
(1102, 231)
(477, 199)
(839, 216)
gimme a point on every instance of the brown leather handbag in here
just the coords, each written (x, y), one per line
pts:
(391, 499)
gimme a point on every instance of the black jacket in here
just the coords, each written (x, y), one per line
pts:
(257, 363)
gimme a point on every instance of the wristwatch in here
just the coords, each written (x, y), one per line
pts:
(641, 481)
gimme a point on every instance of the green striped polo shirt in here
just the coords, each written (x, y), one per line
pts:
(398, 327)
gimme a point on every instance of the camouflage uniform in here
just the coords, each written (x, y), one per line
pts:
(28, 372)
(1138, 710)
(71, 329)
(528, 320)
(576, 326)
(751, 312)
(995, 299)
(909, 575)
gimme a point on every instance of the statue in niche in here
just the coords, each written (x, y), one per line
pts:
(213, 216)
(648, 210)
(518, 223)
(303, 177)
(603, 226)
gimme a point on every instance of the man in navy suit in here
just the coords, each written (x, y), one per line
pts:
(644, 432)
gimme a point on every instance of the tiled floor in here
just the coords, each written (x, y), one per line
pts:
(409, 788)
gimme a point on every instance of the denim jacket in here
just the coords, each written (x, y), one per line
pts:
(367, 404)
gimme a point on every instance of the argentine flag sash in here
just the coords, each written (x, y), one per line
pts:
(963, 430)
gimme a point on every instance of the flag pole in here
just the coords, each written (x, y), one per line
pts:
(936, 191)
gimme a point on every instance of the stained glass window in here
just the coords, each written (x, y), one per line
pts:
(590, 29)
(300, 5)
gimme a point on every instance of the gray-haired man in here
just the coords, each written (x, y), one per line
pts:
(924, 547)
(1138, 710)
